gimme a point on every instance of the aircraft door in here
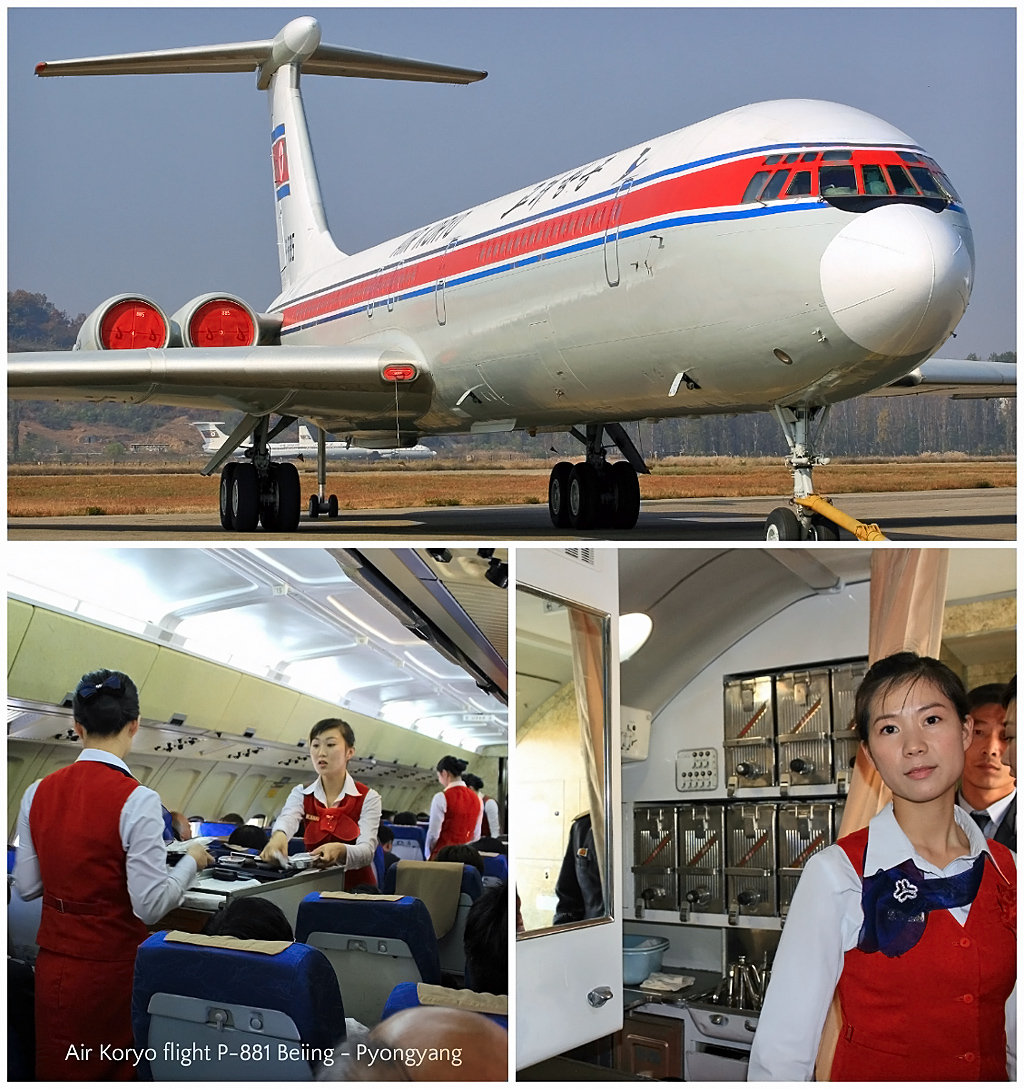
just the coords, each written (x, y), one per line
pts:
(439, 304)
(568, 858)
(611, 234)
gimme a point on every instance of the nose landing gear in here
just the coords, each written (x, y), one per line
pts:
(319, 503)
(594, 494)
(812, 517)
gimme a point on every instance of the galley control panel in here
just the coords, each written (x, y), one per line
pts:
(697, 769)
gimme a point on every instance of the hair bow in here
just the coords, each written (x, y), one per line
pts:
(86, 692)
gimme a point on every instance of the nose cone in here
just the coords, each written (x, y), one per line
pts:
(897, 279)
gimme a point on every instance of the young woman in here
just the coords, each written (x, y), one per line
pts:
(490, 825)
(455, 812)
(913, 917)
(91, 844)
(338, 816)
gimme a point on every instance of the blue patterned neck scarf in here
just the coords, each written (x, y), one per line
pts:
(896, 903)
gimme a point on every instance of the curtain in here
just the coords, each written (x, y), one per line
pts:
(588, 670)
(908, 593)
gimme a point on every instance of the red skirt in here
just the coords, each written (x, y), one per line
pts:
(83, 1019)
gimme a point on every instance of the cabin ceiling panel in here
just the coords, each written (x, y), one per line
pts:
(178, 682)
(57, 651)
(261, 706)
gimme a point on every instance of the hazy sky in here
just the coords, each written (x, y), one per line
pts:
(162, 184)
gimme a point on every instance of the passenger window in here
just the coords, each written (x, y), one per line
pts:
(755, 186)
(836, 156)
(926, 183)
(901, 182)
(772, 160)
(794, 158)
(837, 181)
(808, 157)
(874, 181)
(800, 186)
(774, 187)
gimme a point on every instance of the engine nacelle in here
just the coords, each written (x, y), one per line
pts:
(222, 320)
(124, 322)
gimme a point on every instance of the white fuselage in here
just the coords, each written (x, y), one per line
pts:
(644, 285)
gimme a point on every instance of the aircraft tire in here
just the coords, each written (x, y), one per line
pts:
(268, 501)
(584, 496)
(289, 497)
(245, 499)
(558, 494)
(783, 525)
(314, 506)
(227, 475)
(332, 506)
(625, 494)
(823, 530)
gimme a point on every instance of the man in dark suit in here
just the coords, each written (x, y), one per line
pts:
(988, 791)
(579, 891)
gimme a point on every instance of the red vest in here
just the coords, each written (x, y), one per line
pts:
(74, 820)
(337, 824)
(937, 1013)
(462, 809)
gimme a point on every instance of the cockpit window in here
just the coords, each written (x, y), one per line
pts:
(925, 182)
(837, 181)
(946, 184)
(909, 156)
(772, 160)
(836, 156)
(808, 157)
(774, 187)
(755, 186)
(901, 182)
(800, 186)
(874, 181)
(794, 158)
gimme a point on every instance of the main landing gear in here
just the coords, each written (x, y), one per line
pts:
(593, 494)
(811, 517)
(319, 503)
(259, 491)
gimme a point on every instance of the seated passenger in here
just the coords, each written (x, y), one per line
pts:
(247, 835)
(100, 891)
(404, 818)
(386, 838)
(181, 828)
(251, 917)
(232, 818)
(461, 852)
(486, 942)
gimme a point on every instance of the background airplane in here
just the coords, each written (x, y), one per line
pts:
(469, 337)
(214, 438)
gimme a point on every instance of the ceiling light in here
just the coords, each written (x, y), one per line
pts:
(634, 630)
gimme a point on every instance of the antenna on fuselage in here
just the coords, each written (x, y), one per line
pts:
(304, 240)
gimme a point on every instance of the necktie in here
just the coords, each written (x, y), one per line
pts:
(980, 818)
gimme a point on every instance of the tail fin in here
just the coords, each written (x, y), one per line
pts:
(305, 438)
(213, 437)
(304, 239)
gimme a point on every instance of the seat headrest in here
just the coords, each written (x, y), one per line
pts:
(226, 941)
(437, 884)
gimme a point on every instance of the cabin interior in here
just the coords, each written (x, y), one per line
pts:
(713, 759)
(236, 653)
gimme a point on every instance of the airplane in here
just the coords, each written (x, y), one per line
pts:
(214, 439)
(236, 653)
(724, 758)
(784, 257)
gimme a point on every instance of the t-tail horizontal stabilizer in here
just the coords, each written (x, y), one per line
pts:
(305, 245)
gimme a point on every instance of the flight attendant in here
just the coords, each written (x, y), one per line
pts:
(913, 919)
(338, 816)
(91, 844)
(490, 824)
(456, 811)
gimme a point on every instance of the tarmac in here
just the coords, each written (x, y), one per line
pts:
(980, 514)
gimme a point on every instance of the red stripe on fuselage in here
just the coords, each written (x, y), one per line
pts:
(718, 186)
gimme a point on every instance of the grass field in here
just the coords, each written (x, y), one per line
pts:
(39, 491)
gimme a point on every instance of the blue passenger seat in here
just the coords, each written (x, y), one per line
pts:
(220, 1011)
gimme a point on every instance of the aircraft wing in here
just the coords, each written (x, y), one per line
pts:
(962, 379)
(338, 383)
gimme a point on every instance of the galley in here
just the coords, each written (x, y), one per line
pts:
(768, 807)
